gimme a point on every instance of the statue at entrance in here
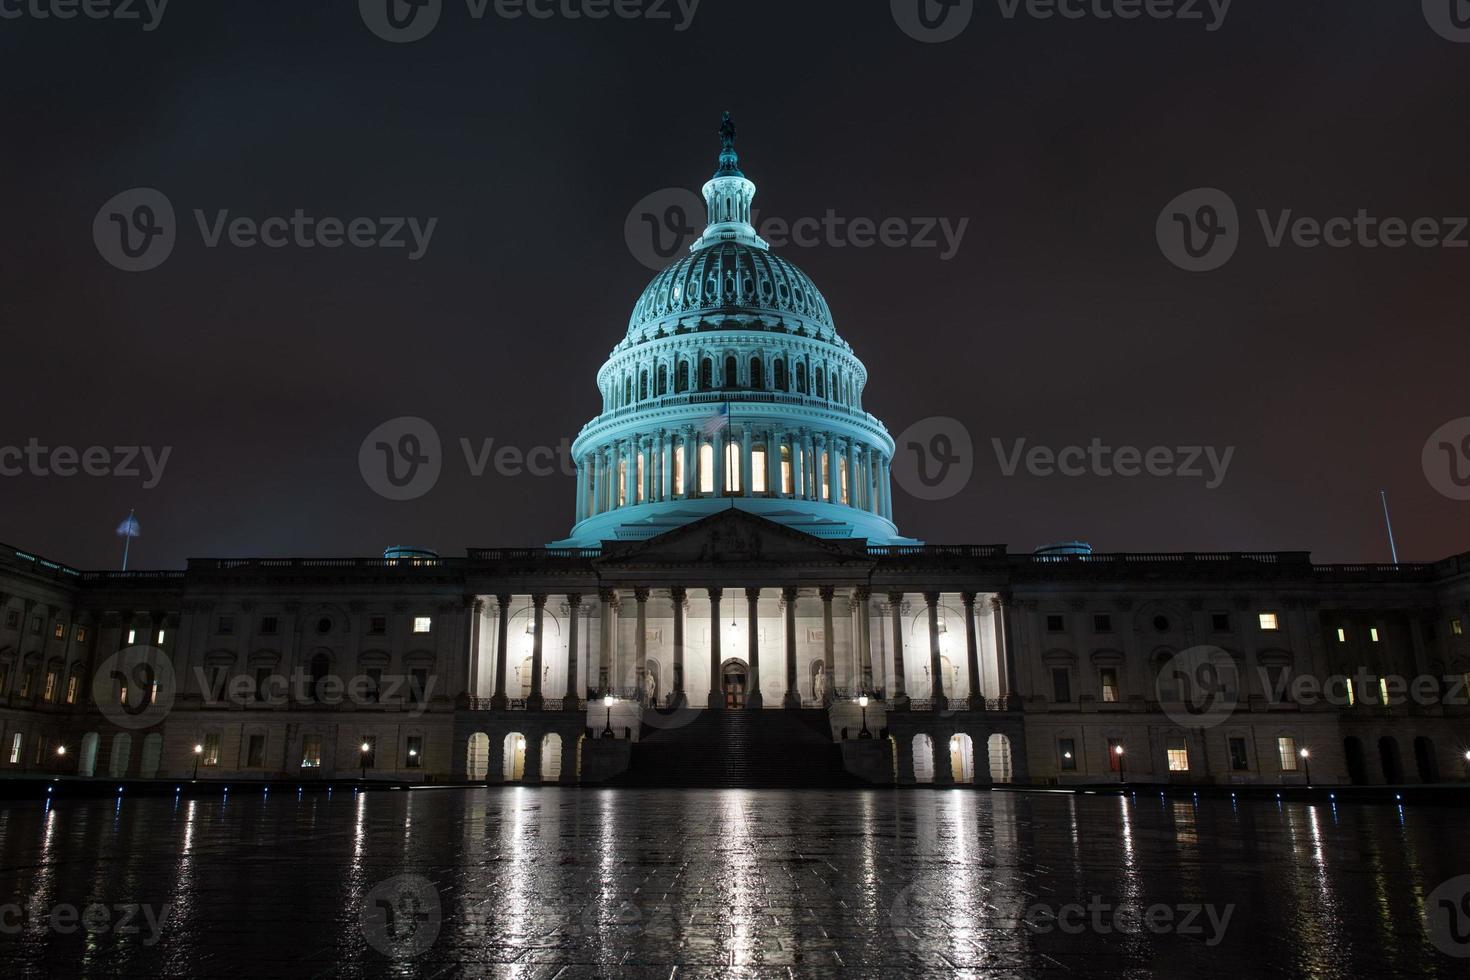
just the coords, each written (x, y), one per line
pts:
(819, 683)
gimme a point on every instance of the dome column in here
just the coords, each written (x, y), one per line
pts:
(630, 471)
(854, 481)
(717, 445)
(747, 449)
(666, 458)
(798, 466)
(819, 456)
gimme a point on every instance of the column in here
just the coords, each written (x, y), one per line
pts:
(581, 490)
(885, 483)
(854, 475)
(936, 665)
(899, 694)
(498, 701)
(717, 447)
(793, 694)
(678, 594)
(1002, 667)
(747, 450)
(666, 457)
(834, 470)
(834, 678)
(573, 694)
(864, 636)
(716, 694)
(755, 699)
(604, 640)
(473, 606)
(630, 472)
(812, 468)
(640, 641)
(798, 467)
(536, 700)
(972, 653)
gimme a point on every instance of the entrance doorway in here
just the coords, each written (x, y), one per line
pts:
(735, 680)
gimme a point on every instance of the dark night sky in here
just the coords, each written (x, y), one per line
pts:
(1058, 321)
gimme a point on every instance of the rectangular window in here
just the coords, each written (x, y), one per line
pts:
(367, 750)
(1220, 622)
(1238, 761)
(415, 758)
(1067, 754)
(786, 471)
(418, 684)
(678, 471)
(1341, 635)
(706, 469)
(211, 749)
(1109, 677)
(1383, 690)
(1178, 757)
(16, 744)
(1286, 748)
(59, 632)
(311, 752)
(1457, 626)
(269, 625)
(225, 626)
(422, 624)
(826, 489)
(71, 689)
(638, 477)
(758, 471)
(1056, 624)
(81, 634)
(26, 680)
(732, 467)
(1351, 693)
(1270, 621)
(48, 693)
(1102, 623)
(1061, 685)
(378, 625)
(1373, 634)
(1115, 756)
(255, 751)
(132, 637)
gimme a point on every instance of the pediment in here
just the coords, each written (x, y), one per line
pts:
(734, 537)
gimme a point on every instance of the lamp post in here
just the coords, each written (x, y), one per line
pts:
(366, 748)
(198, 751)
(863, 703)
(1122, 769)
(608, 703)
(1307, 764)
(60, 755)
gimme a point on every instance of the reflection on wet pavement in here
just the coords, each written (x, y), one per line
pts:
(541, 883)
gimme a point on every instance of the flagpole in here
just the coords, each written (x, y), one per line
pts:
(127, 540)
(1392, 548)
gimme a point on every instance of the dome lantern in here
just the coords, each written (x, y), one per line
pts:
(728, 198)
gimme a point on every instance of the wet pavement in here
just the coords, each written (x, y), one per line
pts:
(737, 883)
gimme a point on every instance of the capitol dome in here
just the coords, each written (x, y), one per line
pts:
(732, 388)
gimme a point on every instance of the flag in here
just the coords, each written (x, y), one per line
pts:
(717, 421)
(130, 527)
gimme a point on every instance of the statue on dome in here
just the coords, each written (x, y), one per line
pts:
(727, 132)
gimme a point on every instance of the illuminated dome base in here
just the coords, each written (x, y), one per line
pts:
(820, 520)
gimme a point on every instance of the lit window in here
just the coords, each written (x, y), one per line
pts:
(1179, 759)
(1270, 621)
(1109, 684)
(1286, 749)
(415, 758)
(161, 635)
(622, 483)
(421, 624)
(732, 468)
(679, 471)
(1373, 634)
(211, 749)
(1067, 749)
(842, 481)
(15, 746)
(1341, 635)
(25, 683)
(71, 689)
(1352, 695)
(1457, 627)
(59, 632)
(1382, 690)
(758, 470)
(638, 478)
(826, 489)
(786, 473)
(132, 637)
(81, 634)
(49, 692)
(706, 468)
(311, 752)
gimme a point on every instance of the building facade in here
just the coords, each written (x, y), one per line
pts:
(733, 549)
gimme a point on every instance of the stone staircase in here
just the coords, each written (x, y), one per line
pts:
(738, 748)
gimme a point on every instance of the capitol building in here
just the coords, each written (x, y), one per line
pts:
(734, 605)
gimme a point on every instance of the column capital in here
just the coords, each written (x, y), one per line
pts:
(826, 592)
(574, 599)
(607, 595)
(641, 594)
(538, 600)
(715, 593)
(678, 593)
(751, 595)
(968, 598)
(862, 593)
(932, 598)
(999, 601)
(789, 592)
(895, 599)
(504, 600)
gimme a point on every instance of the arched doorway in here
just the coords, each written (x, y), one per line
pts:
(923, 748)
(525, 674)
(734, 679)
(513, 758)
(1388, 755)
(477, 758)
(1425, 760)
(1357, 764)
(122, 749)
(962, 758)
(87, 764)
(152, 755)
(999, 747)
(551, 758)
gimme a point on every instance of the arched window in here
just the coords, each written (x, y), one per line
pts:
(706, 374)
(663, 380)
(628, 390)
(821, 384)
(642, 385)
(681, 377)
(732, 379)
(779, 370)
(757, 374)
(800, 377)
